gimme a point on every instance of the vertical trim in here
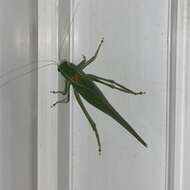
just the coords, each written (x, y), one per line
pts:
(167, 152)
(184, 22)
(64, 138)
(47, 81)
(177, 95)
(172, 88)
(71, 152)
(34, 58)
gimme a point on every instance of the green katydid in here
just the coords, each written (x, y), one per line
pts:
(83, 85)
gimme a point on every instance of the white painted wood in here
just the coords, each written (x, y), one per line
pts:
(186, 142)
(64, 127)
(18, 98)
(138, 42)
(135, 53)
(47, 81)
(175, 100)
(179, 98)
(181, 113)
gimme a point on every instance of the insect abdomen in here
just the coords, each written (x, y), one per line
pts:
(92, 94)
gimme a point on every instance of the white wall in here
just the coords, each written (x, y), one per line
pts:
(18, 103)
(134, 54)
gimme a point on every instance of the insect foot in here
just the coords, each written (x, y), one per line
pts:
(84, 57)
(140, 93)
(100, 151)
(53, 105)
(58, 92)
(64, 100)
(102, 40)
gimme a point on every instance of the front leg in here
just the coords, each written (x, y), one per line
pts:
(83, 60)
(65, 91)
(59, 92)
(82, 65)
(64, 100)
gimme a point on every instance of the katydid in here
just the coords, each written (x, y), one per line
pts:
(84, 86)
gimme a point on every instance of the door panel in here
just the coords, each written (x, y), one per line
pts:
(135, 54)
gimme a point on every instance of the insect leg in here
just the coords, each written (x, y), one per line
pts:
(82, 65)
(58, 92)
(83, 60)
(113, 84)
(93, 125)
(65, 91)
(64, 100)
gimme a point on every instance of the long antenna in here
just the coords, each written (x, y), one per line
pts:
(26, 73)
(68, 28)
(22, 67)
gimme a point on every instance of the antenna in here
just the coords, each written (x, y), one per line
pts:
(68, 28)
(22, 67)
(26, 73)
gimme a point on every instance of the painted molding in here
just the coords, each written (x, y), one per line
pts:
(47, 81)
(179, 96)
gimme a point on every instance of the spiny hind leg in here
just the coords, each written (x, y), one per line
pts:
(84, 64)
(93, 125)
(112, 84)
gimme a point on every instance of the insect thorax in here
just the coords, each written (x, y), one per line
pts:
(68, 70)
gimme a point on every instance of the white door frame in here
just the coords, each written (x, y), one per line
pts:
(178, 96)
(47, 81)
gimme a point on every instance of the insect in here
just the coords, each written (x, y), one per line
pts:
(84, 86)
